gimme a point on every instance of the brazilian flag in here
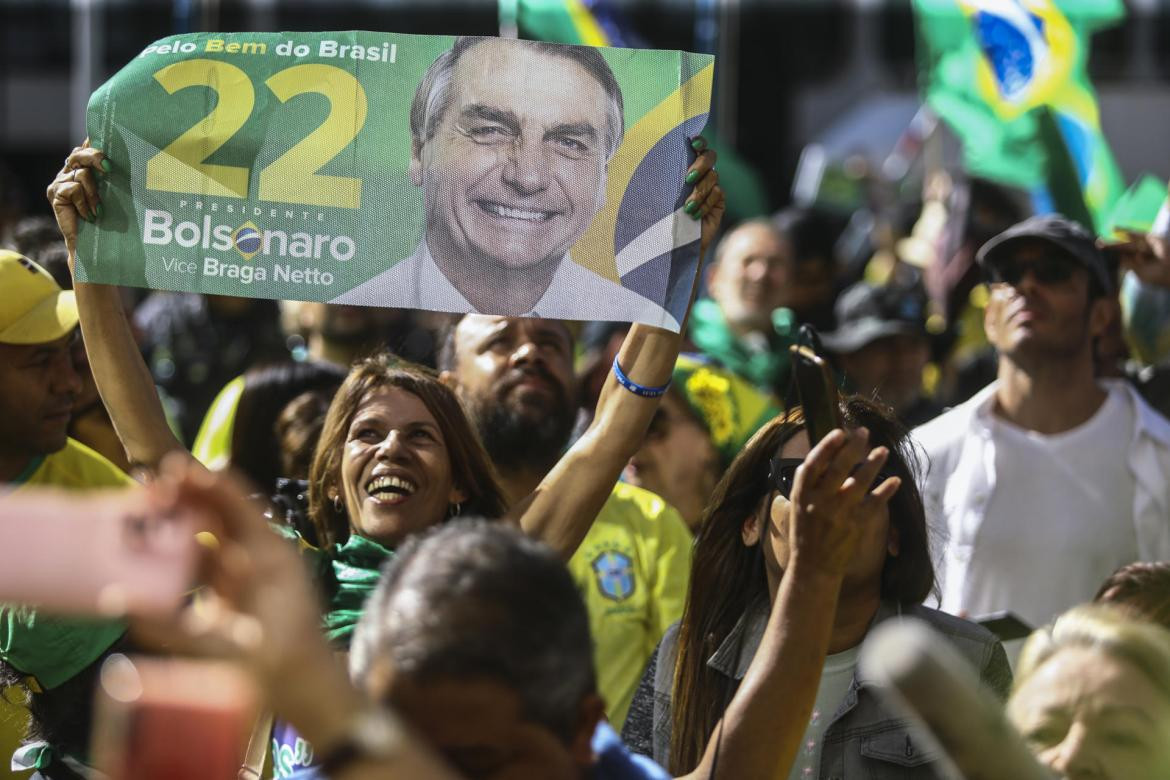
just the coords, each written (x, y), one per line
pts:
(1010, 78)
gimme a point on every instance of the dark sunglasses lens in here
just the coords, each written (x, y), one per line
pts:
(1049, 270)
(1052, 271)
(784, 479)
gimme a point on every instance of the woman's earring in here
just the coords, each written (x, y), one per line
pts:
(337, 505)
(455, 509)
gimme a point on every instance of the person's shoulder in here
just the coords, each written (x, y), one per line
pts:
(1150, 421)
(616, 762)
(629, 498)
(77, 466)
(644, 511)
(951, 427)
(969, 638)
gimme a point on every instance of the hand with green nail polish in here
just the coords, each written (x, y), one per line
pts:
(705, 202)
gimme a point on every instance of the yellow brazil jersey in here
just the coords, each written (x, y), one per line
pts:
(213, 443)
(76, 467)
(632, 568)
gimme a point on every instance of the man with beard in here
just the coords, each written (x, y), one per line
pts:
(515, 377)
(1049, 479)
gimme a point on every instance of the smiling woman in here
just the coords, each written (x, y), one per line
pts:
(396, 455)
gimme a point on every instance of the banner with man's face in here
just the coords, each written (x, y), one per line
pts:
(451, 174)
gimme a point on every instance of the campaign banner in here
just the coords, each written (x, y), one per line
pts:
(414, 171)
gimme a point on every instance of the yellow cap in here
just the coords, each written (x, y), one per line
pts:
(33, 307)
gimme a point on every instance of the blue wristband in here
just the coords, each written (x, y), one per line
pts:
(634, 387)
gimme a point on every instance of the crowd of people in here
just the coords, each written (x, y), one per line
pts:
(500, 546)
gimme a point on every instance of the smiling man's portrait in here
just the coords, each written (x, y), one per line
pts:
(510, 143)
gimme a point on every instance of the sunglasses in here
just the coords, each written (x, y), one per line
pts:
(782, 473)
(1046, 270)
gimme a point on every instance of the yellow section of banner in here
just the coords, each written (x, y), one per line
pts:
(594, 250)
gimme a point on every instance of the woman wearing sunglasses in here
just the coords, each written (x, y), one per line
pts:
(748, 592)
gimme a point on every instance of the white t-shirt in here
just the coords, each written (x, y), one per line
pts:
(836, 677)
(1060, 519)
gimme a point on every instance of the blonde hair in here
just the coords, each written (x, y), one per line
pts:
(1107, 630)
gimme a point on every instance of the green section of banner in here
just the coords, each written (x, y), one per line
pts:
(279, 165)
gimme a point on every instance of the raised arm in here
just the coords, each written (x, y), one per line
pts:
(562, 508)
(123, 380)
(830, 510)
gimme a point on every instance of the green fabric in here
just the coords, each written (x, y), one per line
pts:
(1138, 207)
(50, 648)
(356, 568)
(766, 368)
(730, 408)
(1026, 113)
(29, 470)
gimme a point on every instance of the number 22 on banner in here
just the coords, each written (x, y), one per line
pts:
(290, 178)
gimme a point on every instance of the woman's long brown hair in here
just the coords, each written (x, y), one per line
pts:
(728, 578)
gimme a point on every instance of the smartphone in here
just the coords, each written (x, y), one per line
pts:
(1005, 624)
(817, 392)
(171, 718)
(100, 553)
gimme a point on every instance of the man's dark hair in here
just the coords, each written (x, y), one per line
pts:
(433, 95)
(812, 234)
(472, 600)
(1141, 589)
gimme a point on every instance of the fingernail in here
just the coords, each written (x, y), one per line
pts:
(105, 165)
(698, 144)
(690, 206)
(697, 214)
(99, 210)
(692, 177)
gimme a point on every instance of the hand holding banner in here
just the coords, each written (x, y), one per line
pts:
(471, 174)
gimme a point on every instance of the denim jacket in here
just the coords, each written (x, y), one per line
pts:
(864, 740)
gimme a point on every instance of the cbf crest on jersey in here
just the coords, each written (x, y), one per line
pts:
(615, 575)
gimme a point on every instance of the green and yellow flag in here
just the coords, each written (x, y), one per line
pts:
(1010, 78)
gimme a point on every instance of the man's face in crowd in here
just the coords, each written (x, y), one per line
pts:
(515, 376)
(515, 170)
(37, 387)
(479, 726)
(757, 272)
(748, 281)
(890, 367)
(1048, 311)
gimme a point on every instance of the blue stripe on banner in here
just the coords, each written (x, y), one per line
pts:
(661, 170)
(667, 278)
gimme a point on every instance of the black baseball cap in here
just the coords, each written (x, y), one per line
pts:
(866, 313)
(1077, 243)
